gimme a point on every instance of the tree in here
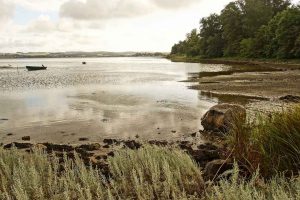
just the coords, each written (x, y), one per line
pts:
(211, 40)
(233, 33)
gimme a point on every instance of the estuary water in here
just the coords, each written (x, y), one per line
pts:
(122, 97)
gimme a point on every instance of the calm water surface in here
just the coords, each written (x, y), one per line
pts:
(107, 98)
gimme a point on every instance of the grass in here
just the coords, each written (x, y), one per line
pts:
(271, 143)
(148, 173)
(278, 187)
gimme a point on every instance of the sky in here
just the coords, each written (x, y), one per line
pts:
(99, 25)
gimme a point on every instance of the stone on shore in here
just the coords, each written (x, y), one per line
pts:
(215, 168)
(221, 117)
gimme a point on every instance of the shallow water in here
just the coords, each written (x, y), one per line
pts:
(107, 97)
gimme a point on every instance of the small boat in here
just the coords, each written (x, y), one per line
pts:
(83, 63)
(33, 68)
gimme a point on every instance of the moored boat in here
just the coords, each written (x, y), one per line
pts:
(33, 68)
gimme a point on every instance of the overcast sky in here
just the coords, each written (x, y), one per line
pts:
(94, 25)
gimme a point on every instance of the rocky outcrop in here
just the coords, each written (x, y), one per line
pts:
(215, 168)
(205, 153)
(220, 118)
(290, 99)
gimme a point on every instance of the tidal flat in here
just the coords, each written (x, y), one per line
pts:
(124, 98)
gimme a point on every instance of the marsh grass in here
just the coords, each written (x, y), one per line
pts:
(147, 173)
(236, 188)
(271, 143)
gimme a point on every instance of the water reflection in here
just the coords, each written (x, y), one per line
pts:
(108, 97)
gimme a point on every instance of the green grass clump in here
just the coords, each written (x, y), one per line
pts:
(271, 143)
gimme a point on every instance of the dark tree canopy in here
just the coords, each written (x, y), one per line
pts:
(247, 28)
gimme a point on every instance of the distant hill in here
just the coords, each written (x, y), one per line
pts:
(79, 54)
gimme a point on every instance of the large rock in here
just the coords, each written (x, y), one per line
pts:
(221, 117)
(215, 168)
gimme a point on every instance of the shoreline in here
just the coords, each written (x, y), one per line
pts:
(291, 64)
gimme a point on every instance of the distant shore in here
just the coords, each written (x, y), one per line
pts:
(99, 54)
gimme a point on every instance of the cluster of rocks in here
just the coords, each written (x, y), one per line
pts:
(208, 155)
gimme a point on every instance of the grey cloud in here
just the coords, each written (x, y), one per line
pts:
(6, 9)
(106, 9)
(174, 4)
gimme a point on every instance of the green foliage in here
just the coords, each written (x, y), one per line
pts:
(247, 28)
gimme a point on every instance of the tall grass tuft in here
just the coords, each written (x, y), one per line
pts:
(280, 140)
(278, 187)
(271, 143)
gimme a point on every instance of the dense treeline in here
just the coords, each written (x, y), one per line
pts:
(246, 28)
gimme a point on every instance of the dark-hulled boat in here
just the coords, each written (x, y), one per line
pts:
(34, 68)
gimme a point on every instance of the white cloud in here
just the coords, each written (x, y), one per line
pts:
(39, 5)
(6, 9)
(112, 25)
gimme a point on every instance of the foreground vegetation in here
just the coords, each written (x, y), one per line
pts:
(266, 156)
(271, 143)
(147, 173)
(247, 29)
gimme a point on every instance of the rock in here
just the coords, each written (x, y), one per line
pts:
(186, 145)
(18, 145)
(207, 146)
(290, 98)
(83, 139)
(90, 147)
(194, 134)
(26, 138)
(58, 147)
(203, 156)
(132, 144)
(205, 153)
(221, 117)
(158, 143)
(83, 153)
(4, 119)
(9, 134)
(215, 168)
(111, 141)
(111, 154)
